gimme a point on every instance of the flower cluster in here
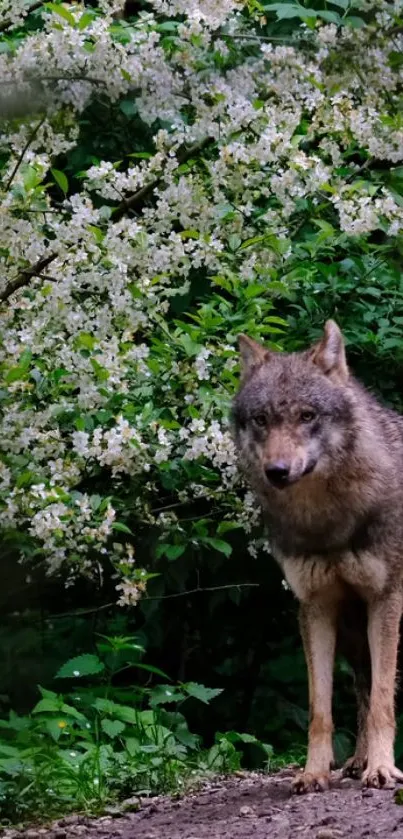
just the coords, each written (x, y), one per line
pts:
(114, 397)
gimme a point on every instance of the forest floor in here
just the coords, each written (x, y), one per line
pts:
(249, 807)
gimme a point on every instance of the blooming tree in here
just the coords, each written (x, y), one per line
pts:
(272, 140)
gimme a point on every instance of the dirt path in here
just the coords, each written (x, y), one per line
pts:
(251, 807)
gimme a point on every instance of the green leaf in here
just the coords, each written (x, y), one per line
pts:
(226, 526)
(392, 343)
(190, 234)
(47, 694)
(234, 242)
(15, 374)
(60, 179)
(174, 551)
(128, 107)
(332, 17)
(11, 766)
(354, 21)
(219, 545)
(254, 290)
(133, 745)
(99, 234)
(47, 705)
(70, 711)
(395, 59)
(191, 347)
(122, 528)
(25, 479)
(236, 737)
(100, 372)
(11, 751)
(17, 723)
(30, 177)
(168, 26)
(150, 669)
(85, 20)
(182, 733)
(95, 502)
(247, 738)
(165, 694)
(324, 226)
(287, 11)
(53, 728)
(85, 341)
(201, 692)
(112, 727)
(254, 240)
(82, 665)
(61, 11)
(121, 712)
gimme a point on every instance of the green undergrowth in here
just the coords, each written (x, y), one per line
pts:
(91, 743)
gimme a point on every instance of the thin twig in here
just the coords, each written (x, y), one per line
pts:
(140, 195)
(269, 39)
(373, 268)
(396, 30)
(24, 150)
(169, 507)
(366, 165)
(198, 590)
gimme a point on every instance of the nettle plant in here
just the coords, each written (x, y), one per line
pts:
(93, 743)
(167, 182)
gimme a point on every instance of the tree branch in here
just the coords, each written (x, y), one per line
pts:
(24, 277)
(132, 202)
(25, 149)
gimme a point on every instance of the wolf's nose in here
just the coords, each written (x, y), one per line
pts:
(278, 474)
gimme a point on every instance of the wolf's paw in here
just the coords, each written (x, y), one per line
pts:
(382, 777)
(310, 782)
(354, 767)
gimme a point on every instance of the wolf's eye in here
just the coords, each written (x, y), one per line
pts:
(260, 420)
(307, 416)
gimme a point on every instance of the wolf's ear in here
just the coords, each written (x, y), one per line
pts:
(329, 354)
(252, 354)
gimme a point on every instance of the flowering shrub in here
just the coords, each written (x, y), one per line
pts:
(168, 181)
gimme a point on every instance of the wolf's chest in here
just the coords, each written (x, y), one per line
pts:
(331, 577)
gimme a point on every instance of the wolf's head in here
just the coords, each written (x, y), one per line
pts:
(293, 412)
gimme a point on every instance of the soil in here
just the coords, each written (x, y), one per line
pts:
(248, 807)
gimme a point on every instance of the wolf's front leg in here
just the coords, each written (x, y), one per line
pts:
(383, 635)
(318, 623)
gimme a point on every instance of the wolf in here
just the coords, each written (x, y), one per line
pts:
(325, 460)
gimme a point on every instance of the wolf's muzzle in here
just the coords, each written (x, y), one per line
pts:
(278, 474)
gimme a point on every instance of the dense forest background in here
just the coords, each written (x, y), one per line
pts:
(173, 174)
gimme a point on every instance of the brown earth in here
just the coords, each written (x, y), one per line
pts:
(249, 807)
